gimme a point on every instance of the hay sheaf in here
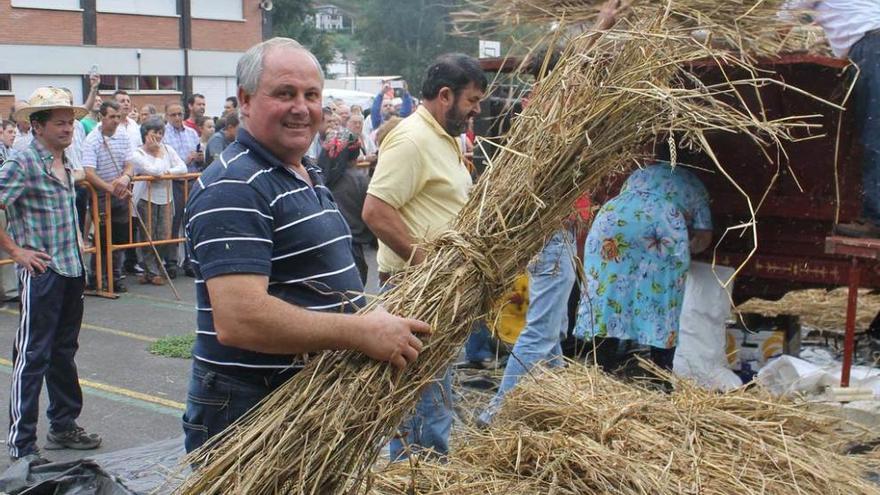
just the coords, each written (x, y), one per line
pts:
(818, 308)
(580, 431)
(610, 93)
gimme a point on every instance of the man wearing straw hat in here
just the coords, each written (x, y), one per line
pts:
(275, 275)
(419, 186)
(37, 190)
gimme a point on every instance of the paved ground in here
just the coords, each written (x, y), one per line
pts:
(131, 396)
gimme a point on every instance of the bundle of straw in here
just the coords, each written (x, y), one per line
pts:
(610, 93)
(579, 431)
(818, 308)
(750, 25)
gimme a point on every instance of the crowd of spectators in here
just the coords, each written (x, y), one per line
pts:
(123, 150)
(118, 143)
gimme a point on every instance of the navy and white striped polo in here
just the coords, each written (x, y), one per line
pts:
(249, 213)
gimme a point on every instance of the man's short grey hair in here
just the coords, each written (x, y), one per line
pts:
(250, 65)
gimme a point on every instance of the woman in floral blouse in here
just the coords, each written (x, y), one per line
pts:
(636, 259)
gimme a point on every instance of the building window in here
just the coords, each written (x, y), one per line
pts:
(48, 4)
(127, 82)
(148, 83)
(5, 83)
(167, 83)
(139, 83)
(138, 7)
(220, 10)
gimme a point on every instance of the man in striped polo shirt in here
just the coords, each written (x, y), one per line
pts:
(275, 275)
(106, 159)
(185, 142)
(36, 188)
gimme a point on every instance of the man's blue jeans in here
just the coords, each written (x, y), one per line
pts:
(430, 424)
(551, 278)
(866, 55)
(478, 347)
(217, 397)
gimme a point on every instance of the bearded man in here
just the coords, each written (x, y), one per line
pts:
(419, 186)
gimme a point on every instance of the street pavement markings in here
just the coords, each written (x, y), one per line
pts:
(119, 394)
(112, 331)
(158, 302)
(111, 392)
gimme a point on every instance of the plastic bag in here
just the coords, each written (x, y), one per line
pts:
(701, 353)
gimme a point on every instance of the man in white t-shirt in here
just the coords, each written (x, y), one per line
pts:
(128, 125)
(853, 30)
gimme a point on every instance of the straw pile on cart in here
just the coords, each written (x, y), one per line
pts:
(609, 95)
(819, 309)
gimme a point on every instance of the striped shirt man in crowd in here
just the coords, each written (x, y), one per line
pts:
(185, 142)
(37, 191)
(106, 159)
(276, 278)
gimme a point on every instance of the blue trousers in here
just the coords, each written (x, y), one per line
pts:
(431, 422)
(219, 395)
(866, 55)
(551, 278)
(45, 345)
(479, 344)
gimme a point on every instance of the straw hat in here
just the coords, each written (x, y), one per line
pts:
(48, 98)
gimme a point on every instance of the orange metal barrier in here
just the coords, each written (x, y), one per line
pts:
(148, 222)
(94, 249)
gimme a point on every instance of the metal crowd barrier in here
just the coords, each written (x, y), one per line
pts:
(94, 249)
(186, 179)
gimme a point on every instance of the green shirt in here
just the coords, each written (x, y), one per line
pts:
(88, 124)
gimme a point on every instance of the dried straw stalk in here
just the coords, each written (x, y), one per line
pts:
(322, 431)
(818, 308)
(579, 431)
(749, 24)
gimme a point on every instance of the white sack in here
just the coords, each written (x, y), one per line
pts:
(701, 353)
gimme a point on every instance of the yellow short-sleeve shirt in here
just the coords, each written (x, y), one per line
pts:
(420, 173)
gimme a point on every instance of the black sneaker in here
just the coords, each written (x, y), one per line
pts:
(76, 439)
(33, 459)
(119, 287)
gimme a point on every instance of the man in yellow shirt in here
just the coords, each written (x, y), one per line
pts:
(419, 186)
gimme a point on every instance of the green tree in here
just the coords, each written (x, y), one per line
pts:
(403, 37)
(295, 19)
(347, 45)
